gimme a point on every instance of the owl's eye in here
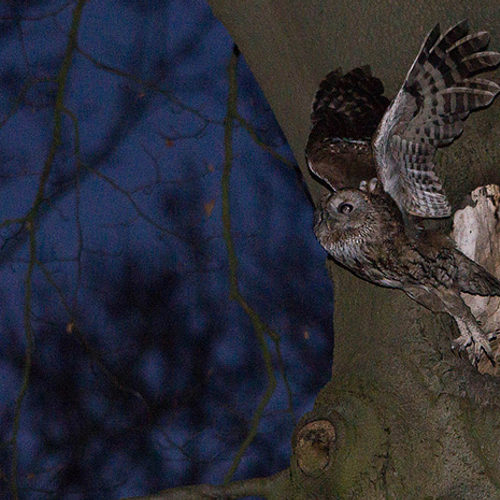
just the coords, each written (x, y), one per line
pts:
(345, 208)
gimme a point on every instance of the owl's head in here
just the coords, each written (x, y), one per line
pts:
(350, 218)
(344, 211)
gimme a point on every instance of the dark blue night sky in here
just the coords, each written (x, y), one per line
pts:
(144, 375)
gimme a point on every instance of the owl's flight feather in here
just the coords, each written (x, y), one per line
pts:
(345, 113)
(438, 94)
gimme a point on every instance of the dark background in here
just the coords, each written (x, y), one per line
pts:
(144, 374)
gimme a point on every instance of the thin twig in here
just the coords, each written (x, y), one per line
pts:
(138, 209)
(93, 354)
(147, 84)
(20, 98)
(251, 132)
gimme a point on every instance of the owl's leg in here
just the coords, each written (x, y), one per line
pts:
(472, 339)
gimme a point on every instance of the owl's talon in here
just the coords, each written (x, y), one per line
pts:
(372, 185)
(461, 344)
(491, 358)
(476, 348)
(484, 345)
(493, 335)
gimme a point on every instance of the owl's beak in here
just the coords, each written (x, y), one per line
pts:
(318, 216)
(323, 216)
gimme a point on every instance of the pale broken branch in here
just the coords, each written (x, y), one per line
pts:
(476, 231)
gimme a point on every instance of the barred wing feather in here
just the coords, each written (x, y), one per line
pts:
(438, 94)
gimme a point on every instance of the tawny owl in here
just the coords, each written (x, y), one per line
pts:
(356, 135)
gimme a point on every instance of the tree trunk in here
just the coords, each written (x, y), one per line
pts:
(402, 417)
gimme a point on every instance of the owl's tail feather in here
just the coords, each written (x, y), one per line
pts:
(474, 279)
(442, 79)
(350, 105)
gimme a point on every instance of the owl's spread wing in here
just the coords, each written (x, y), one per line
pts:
(345, 113)
(438, 94)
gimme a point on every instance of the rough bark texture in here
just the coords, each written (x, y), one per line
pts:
(410, 420)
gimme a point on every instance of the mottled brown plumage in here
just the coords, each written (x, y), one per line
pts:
(364, 231)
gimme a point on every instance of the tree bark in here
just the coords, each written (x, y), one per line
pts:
(402, 417)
